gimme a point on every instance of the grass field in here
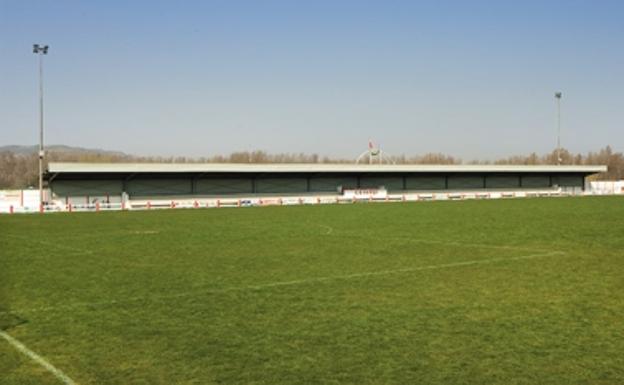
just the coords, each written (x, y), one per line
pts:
(475, 292)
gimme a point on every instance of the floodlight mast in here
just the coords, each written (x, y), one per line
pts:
(40, 50)
(558, 98)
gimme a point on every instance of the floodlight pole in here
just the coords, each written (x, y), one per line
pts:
(558, 97)
(40, 50)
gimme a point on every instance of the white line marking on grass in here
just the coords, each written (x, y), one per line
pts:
(328, 229)
(144, 232)
(57, 244)
(395, 271)
(450, 243)
(289, 283)
(38, 359)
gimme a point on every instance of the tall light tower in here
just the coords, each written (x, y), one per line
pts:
(558, 98)
(40, 50)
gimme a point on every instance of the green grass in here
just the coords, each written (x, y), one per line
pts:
(476, 292)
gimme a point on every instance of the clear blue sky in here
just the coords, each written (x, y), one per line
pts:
(470, 78)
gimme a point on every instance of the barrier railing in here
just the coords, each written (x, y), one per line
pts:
(276, 201)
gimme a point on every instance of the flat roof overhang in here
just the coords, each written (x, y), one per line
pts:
(55, 168)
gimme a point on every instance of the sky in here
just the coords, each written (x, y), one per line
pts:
(473, 79)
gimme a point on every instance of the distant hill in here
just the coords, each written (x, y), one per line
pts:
(24, 150)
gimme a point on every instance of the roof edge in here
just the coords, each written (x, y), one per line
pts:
(82, 167)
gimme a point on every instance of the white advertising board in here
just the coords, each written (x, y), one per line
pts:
(374, 193)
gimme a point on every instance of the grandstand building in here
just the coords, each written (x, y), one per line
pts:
(119, 181)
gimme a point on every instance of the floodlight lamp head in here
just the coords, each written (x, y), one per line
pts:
(41, 49)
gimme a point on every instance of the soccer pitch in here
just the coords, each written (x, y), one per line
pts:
(520, 291)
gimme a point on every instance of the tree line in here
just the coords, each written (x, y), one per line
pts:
(21, 170)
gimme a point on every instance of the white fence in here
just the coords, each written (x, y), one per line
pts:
(20, 200)
(27, 201)
(606, 187)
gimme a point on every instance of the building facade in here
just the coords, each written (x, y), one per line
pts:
(118, 181)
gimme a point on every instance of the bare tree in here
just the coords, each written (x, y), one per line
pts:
(21, 170)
